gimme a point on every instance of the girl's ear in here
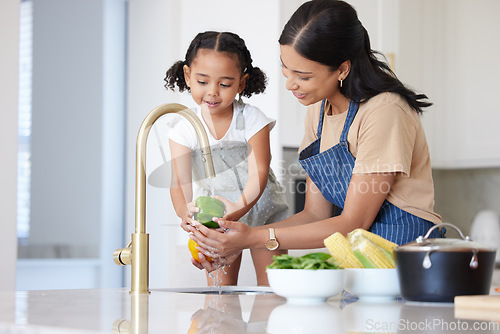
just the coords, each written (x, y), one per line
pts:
(243, 83)
(187, 75)
(344, 69)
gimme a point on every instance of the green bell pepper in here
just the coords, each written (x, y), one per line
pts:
(209, 208)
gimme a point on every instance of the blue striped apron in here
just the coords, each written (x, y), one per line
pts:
(331, 172)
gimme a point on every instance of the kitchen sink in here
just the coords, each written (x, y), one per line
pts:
(222, 290)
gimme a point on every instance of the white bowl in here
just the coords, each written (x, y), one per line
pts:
(303, 286)
(370, 284)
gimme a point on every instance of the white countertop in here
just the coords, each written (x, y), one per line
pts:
(163, 311)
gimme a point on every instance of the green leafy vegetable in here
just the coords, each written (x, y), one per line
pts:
(311, 261)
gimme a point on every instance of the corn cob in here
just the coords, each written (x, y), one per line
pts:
(377, 253)
(341, 252)
(370, 255)
(375, 238)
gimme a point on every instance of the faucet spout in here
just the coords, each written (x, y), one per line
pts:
(137, 251)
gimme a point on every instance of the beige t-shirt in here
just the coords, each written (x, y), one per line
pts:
(385, 136)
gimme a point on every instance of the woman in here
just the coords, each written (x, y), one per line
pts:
(364, 149)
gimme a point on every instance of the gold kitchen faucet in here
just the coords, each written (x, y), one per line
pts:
(136, 253)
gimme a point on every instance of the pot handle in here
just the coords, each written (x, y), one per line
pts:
(420, 239)
(426, 264)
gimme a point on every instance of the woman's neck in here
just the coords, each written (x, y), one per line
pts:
(338, 104)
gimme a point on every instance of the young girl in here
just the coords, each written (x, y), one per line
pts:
(218, 66)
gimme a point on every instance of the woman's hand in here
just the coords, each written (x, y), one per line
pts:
(223, 245)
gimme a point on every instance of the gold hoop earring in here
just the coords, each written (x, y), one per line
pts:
(340, 83)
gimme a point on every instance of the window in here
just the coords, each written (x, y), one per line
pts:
(24, 123)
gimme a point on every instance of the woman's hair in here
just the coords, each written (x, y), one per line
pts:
(220, 42)
(329, 32)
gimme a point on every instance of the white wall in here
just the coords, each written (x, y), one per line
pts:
(9, 39)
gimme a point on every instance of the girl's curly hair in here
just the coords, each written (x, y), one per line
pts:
(221, 42)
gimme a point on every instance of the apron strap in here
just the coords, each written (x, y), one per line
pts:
(240, 119)
(320, 125)
(353, 109)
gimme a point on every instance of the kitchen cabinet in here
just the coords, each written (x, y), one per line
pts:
(448, 49)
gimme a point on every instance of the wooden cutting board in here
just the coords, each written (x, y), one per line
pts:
(485, 307)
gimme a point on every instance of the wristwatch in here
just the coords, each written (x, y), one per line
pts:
(272, 243)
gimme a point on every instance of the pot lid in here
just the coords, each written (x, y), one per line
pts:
(423, 244)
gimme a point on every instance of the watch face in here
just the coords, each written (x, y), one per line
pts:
(272, 244)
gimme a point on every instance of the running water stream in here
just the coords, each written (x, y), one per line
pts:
(216, 279)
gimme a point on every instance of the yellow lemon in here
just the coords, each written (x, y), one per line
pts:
(194, 252)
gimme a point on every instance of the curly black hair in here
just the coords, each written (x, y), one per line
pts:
(221, 42)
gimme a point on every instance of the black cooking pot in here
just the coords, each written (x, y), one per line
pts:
(437, 270)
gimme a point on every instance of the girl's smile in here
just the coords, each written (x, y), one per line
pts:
(211, 104)
(215, 79)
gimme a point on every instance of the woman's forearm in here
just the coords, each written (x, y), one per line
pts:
(306, 236)
(310, 227)
(303, 217)
(300, 231)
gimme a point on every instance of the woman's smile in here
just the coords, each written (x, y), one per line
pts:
(299, 95)
(309, 81)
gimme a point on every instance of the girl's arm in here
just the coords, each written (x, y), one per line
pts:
(181, 190)
(308, 228)
(259, 158)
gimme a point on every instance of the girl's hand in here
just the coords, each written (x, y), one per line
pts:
(187, 218)
(216, 262)
(204, 263)
(230, 206)
(234, 211)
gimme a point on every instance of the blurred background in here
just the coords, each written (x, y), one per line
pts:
(79, 76)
